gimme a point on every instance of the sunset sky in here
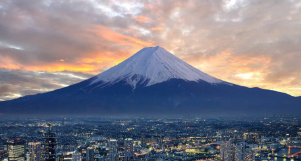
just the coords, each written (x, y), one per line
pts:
(50, 44)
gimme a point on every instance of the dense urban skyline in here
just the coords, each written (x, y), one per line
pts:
(46, 45)
(150, 138)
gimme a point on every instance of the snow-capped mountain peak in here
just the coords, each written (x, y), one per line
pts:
(153, 65)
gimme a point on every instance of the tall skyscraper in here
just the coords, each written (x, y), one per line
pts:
(293, 131)
(129, 149)
(35, 151)
(243, 152)
(90, 154)
(50, 144)
(240, 151)
(63, 121)
(236, 152)
(113, 156)
(143, 140)
(16, 150)
(227, 151)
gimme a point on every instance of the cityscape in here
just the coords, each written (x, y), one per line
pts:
(150, 138)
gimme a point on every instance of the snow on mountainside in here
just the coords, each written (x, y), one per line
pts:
(153, 65)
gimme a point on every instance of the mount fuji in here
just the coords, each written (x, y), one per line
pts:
(151, 66)
(154, 81)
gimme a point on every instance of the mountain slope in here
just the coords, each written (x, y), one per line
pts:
(154, 81)
(153, 65)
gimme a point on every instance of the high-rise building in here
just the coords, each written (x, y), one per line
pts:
(113, 156)
(160, 141)
(236, 152)
(16, 150)
(90, 154)
(143, 141)
(63, 121)
(76, 156)
(129, 149)
(35, 151)
(240, 151)
(293, 131)
(227, 151)
(50, 144)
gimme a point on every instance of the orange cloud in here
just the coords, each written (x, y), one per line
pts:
(8, 63)
(91, 65)
(92, 61)
(105, 59)
(242, 70)
(142, 19)
(120, 39)
(63, 67)
(159, 28)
